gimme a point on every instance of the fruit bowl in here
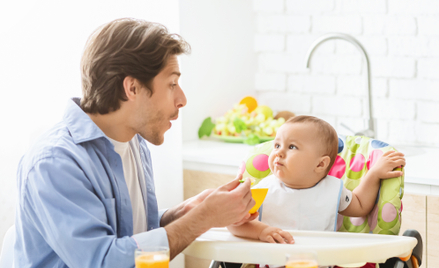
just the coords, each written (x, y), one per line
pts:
(247, 122)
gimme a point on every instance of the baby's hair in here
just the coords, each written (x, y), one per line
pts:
(326, 132)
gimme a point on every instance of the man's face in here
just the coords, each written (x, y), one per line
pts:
(295, 155)
(155, 113)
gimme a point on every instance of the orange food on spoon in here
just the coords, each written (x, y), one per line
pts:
(250, 102)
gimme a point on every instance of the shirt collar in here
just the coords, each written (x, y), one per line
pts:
(80, 125)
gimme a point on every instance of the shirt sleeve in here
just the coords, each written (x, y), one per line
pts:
(59, 200)
(159, 235)
(345, 199)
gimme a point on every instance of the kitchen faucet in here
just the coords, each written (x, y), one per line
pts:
(370, 131)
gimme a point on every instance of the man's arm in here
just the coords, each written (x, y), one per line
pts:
(364, 196)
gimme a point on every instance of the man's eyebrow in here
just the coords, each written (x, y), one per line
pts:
(176, 73)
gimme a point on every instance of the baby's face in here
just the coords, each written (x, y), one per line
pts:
(296, 154)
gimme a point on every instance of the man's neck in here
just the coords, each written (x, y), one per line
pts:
(114, 125)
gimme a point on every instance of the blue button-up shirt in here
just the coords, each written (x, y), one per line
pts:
(74, 208)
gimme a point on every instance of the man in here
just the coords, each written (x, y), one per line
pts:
(86, 189)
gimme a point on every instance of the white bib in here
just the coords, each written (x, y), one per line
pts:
(314, 208)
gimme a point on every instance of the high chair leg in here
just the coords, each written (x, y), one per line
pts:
(415, 263)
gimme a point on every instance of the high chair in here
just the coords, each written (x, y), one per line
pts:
(356, 155)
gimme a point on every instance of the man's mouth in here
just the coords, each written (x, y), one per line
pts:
(174, 117)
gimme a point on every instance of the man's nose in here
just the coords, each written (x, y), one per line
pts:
(181, 99)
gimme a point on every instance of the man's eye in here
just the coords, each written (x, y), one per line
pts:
(173, 85)
(292, 147)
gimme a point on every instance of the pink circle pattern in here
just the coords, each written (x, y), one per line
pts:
(389, 213)
(260, 162)
(242, 168)
(339, 167)
(373, 218)
(357, 221)
(357, 163)
(339, 221)
(373, 158)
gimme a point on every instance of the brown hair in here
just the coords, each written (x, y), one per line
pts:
(121, 48)
(326, 132)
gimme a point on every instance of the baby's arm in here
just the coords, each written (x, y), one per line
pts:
(258, 230)
(364, 196)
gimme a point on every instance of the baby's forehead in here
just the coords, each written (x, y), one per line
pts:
(305, 132)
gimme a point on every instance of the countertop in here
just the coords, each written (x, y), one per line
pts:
(220, 157)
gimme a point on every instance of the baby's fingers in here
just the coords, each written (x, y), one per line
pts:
(270, 239)
(393, 174)
(399, 162)
(279, 239)
(287, 237)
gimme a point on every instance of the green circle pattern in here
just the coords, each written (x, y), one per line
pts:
(253, 171)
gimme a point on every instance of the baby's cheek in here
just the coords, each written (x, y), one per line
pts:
(270, 162)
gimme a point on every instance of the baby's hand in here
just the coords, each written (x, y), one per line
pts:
(276, 235)
(385, 165)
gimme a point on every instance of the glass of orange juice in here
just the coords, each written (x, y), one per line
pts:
(152, 257)
(303, 259)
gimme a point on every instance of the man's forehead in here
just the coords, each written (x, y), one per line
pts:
(172, 66)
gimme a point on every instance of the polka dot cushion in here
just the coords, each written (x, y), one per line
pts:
(356, 155)
(255, 165)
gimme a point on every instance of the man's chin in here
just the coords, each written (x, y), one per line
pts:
(154, 139)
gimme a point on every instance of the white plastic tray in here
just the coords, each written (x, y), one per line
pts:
(332, 248)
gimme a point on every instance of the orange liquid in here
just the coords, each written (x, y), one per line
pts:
(152, 261)
(302, 264)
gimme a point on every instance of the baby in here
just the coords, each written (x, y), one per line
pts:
(301, 195)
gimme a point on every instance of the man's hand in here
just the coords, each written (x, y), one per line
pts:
(196, 200)
(249, 217)
(229, 204)
(384, 168)
(180, 210)
(276, 235)
(223, 206)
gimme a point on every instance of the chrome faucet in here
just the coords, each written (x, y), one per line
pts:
(369, 132)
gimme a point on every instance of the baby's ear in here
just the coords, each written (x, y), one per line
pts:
(323, 164)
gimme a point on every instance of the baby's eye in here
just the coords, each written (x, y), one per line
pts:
(276, 146)
(292, 147)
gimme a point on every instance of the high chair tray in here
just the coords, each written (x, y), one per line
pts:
(332, 248)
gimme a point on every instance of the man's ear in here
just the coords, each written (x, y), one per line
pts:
(323, 164)
(131, 87)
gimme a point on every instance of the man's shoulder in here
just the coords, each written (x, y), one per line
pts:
(56, 142)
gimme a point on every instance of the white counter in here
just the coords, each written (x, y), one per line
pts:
(219, 157)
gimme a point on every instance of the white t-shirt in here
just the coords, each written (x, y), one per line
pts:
(132, 171)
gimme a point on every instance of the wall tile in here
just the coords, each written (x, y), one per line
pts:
(268, 5)
(316, 6)
(266, 82)
(401, 38)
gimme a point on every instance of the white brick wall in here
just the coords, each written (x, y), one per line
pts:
(402, 41)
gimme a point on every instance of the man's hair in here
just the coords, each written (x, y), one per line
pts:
(121, 48)
(326, 133)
